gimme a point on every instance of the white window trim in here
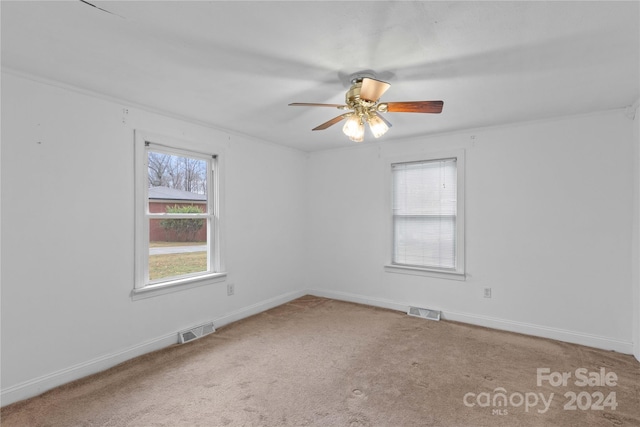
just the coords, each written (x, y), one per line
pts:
(453, 274)
(142, 288)
(177, 285)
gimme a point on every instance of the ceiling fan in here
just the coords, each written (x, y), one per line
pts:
(362, 99)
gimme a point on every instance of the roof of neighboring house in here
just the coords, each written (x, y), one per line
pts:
(166, 193)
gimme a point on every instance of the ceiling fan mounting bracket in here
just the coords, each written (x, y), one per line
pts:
(357, 77)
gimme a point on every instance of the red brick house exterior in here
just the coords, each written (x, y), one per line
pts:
(162, 197)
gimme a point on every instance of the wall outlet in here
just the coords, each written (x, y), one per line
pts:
(487, 292)
(231, 289)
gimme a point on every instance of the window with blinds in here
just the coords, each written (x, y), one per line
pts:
(425, 214)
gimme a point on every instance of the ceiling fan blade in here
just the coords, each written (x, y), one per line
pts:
(372, 89)
(311, 104)
(414, 107)
(331, 122)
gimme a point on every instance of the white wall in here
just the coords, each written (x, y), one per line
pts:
(67, 236)
(548, 228)
(634, 111)
(550, 217)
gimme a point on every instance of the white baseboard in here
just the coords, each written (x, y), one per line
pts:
(604, 343)
(360, 299)
(46, 382)
(43, 383)
(257, 308)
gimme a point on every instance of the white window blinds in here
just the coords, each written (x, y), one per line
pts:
(425, 213)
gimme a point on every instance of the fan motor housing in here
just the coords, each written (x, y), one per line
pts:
(352, 97)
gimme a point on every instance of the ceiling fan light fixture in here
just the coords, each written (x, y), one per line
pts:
(377, 125)
(354, 128)
(359, 137)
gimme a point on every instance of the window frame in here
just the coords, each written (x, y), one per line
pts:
(457, 273)
(144, 142)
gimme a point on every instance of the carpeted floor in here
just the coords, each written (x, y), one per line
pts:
(320, 362)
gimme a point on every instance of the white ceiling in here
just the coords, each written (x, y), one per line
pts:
(236, 65)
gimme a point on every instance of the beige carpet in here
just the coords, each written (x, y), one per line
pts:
(320, 362)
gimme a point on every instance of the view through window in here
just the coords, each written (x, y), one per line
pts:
(177, 215)
(178, 220)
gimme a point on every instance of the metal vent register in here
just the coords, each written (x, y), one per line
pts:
(425, 313)
(196, 332)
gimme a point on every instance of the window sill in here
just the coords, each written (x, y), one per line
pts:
(417, 271)
(177, 285)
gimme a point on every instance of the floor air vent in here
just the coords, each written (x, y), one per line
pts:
(196, 332)
(425, 313)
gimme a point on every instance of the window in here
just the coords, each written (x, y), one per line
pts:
(427, 215)
(177, 216)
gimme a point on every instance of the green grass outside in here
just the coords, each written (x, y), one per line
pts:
(169, 265)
